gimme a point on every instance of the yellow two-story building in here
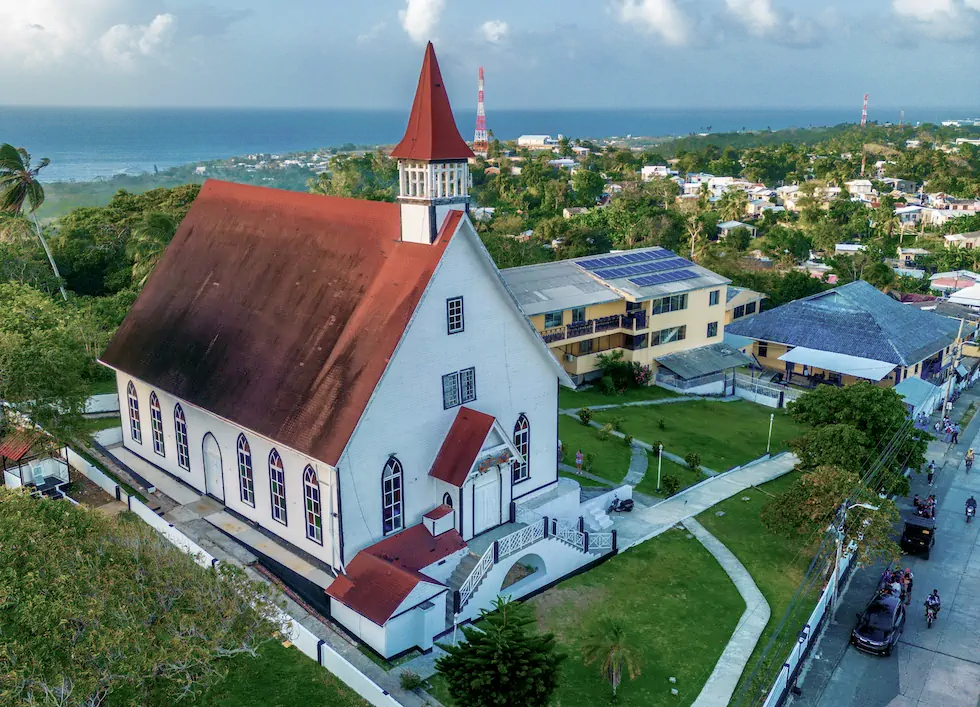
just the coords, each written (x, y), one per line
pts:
(659, 309)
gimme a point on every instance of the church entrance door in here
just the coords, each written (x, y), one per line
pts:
(486, 501)
(214, 480)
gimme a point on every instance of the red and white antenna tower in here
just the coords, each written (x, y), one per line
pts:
(481, 143)
(864, 111)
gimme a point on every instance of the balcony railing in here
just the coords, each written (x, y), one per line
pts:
(632, 321)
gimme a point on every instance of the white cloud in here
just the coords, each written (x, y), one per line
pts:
(122, 44)
(494, 31)
(372, 34)
(660, 17)
(939, 19)
(758, 16)
(420, 17)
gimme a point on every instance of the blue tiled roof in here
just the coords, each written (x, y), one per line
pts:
(855, 319)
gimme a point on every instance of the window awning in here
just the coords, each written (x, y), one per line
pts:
(867, 368)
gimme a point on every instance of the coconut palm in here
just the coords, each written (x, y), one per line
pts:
(733, 204)
(19, 186)
(610, 645)
(149, 241)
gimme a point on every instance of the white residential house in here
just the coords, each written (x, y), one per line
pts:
(726, 227)
(354, 380)
(857, 187)
(648, 172)
(537, 142)
(849, 248)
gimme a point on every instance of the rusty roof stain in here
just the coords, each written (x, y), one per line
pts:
(278, 311)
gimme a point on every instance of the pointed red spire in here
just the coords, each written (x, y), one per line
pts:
(431, 132)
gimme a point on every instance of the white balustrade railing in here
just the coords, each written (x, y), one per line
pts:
(569, 533)
(600, 541)
(526, 514)
(520, 539)
(476, 576)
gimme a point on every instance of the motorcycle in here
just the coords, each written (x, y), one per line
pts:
(969, 463)
(970, 512)
(930, 615)
(617, 506)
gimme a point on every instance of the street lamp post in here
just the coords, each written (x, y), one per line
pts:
(840, 543)
(772, 416)
(660, 463)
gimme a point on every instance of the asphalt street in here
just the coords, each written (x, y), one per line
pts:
(937, 667)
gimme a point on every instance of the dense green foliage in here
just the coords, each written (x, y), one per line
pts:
(503, 662)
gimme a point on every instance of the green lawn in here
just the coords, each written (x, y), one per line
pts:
(612, 455)
(684, 474)
(93, 425)
(102, 387)
(725, 434)
(593, 396)
(776, 563)
(682, 620)
(581, 480)
(279, 677)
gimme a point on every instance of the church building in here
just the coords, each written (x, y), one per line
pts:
(354, 380)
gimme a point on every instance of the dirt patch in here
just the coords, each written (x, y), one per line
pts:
(517, 573)
(558, 607)
(87, 492)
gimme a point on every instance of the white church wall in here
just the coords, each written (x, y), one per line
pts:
(199, 423)
(405, 418)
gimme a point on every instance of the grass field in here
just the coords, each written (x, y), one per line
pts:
(725, 434)
(593, 396)
(681, 621)
(93, 425)
(581, 480)
(776, 563)
(684, 474)
(612, 455)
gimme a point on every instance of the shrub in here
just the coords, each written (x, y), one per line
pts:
(629, 440)
(617, 423)
(585, 415)
(589, 460)
(411, 681)
(606, 385)
(693, 460)
(655, 447)
(670, 485)
(615, 368)
(605, 432)
(642, 375)
(661, 424)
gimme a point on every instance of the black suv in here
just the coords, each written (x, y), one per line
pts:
(879, 625)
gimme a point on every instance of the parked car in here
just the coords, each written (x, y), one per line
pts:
(879, 626)
(918, 535)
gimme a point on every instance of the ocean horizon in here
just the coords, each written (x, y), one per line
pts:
(91, 143)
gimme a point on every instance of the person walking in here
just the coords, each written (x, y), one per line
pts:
(578, 462)
(930, 471)
(956, 433)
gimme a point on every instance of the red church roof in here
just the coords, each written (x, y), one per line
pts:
(278, 310)
(431, 132)
(461, 446)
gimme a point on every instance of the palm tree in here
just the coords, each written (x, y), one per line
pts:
(19, 186)
(609, 644)
(733, 204)
(149, 241)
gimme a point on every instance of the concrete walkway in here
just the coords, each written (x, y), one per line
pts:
(720, 687)
(638, 465)
(658, 401)
(643, 524)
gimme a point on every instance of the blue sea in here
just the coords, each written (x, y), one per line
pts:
(89, 143)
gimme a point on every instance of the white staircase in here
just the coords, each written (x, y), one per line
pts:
(598, 519)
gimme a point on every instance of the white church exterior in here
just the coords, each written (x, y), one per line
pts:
(354, 380)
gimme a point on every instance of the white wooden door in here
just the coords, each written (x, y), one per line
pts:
(213, 475)
(486, 501)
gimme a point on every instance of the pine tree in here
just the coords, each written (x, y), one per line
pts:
(503, 662)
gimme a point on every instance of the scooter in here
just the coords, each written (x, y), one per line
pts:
(930, 615)
(617, 506)
(970, 512)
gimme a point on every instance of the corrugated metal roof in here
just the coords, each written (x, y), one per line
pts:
(704, 360)
(854, 319)
(550, 287)
(461, 446)
(17, 444)
(278, 310)
(916, 391)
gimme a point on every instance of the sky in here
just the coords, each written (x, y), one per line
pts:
(540, 54)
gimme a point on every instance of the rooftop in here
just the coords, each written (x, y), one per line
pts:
(855, 319)
(704, 360)
(636, 275)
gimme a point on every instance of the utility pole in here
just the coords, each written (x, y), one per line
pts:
(956, 348)
(839, 527)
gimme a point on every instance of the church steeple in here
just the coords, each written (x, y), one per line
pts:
(433, 173)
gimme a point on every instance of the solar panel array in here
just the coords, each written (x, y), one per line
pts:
(663, 278)
(622, 259)
(642, 268)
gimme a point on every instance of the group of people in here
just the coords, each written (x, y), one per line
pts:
(925, 508)
(897, 583)
(950, 430)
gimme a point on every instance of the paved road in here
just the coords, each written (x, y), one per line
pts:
(937, 667)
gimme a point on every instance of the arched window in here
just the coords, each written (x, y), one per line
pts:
(277, 485)
(447, 500)
(134, 414)
(311, 488)
(245, 482)
(522, 440)
(391, 497)
(156, 425)
(180, 431)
